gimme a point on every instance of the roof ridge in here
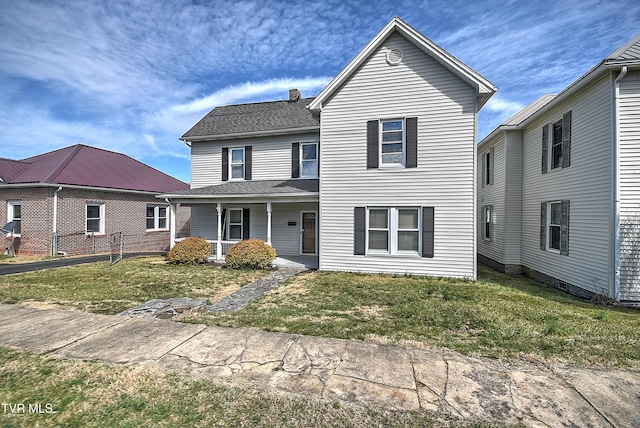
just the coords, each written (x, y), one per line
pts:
(57, 170)
(262, 102)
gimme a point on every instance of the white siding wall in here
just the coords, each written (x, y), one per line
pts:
(586, 183)
(513, 198)
(444, 178)
(492, 195)
(630, 187)
(271, 158)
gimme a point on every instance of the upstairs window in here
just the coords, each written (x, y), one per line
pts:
(95, 219)
(308, 160)
(556, 144)
(14, 214)
(156, 217)
(236, 166)
(487, 167)
(392, 143)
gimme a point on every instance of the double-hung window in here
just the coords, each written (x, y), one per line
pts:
(394, 230)
(392, 146)
(487, 167)
(554, 226)
(308, 160)
(156, 217)
(236, 166)
(95, 218)
(235, 224)
(14, 214)
(555, 153)
(487, 222)
(554, 215)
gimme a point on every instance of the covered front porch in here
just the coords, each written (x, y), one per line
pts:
(284, 214)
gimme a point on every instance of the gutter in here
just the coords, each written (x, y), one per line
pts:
(268, 133)
(616, 183)
(72, 186)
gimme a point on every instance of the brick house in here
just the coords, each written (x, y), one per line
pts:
(70, 200)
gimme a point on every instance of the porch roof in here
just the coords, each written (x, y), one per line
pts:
(251, 189)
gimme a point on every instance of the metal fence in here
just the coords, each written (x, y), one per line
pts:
(73, 243)
(116, 247)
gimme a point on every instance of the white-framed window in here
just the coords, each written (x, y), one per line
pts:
(487, 222)
(393, 230)
(156, 217)
(309, 160)
(392, 142)
(14, 214)
(555, 146)
(487, 168)
(554, 222)
(95, 218)
(236, 164)
(378, 230)
(234, 226)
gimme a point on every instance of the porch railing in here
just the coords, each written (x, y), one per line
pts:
(214, 246)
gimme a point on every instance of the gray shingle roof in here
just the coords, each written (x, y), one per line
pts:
(254, 117)
(258, 187)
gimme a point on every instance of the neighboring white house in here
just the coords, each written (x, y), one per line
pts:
(559, 185)
(376, 173)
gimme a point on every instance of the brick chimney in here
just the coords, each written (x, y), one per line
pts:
(294, 95)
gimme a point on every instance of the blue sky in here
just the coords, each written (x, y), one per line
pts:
(133, 76)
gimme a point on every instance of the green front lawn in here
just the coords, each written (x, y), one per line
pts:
(498, 316)
(105, 289)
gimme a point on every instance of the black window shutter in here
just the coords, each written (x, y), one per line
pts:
(492, 165)
(543, 226)
(564, 228)
(412, 142)
(566, 139)
(545, 148)
(225, 164)
(246, 217)
(248, 162)
(428, 228)
(372, 143)
(295, 160)
(359, 230)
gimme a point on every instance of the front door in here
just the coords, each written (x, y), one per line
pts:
(308, 232)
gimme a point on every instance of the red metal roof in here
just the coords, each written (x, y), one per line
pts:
(82, 165)
(10, 168)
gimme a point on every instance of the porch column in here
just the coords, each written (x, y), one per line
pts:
(269, 223)
(172, 225)
(219, 240)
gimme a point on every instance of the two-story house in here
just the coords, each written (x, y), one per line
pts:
(559, 185)
(374, 174)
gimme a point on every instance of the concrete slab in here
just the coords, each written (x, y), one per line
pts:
(380, 364)
(369, 393)
(132, 340)
(613, 393)
(9, 313)
(42, 331)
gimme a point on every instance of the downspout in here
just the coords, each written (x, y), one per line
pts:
(616, 184)
(54, 246)
(172, 223)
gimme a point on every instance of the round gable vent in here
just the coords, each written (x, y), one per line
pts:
(394, 56)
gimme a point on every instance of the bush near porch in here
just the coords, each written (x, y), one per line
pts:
(250, 253)
(191, 251)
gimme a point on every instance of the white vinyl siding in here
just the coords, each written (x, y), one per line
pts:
(271, 158)
(587, 184)
(444, 177)
(511, 227)
(629, 164)
(492, 195)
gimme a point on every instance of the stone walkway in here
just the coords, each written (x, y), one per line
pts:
(445, 383)
(251, 292)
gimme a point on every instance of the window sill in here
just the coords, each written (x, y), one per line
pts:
(397, 255)
(553, 251)
(156, 230)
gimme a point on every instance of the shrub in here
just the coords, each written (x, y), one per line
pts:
(191, 251)
(251, 253)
